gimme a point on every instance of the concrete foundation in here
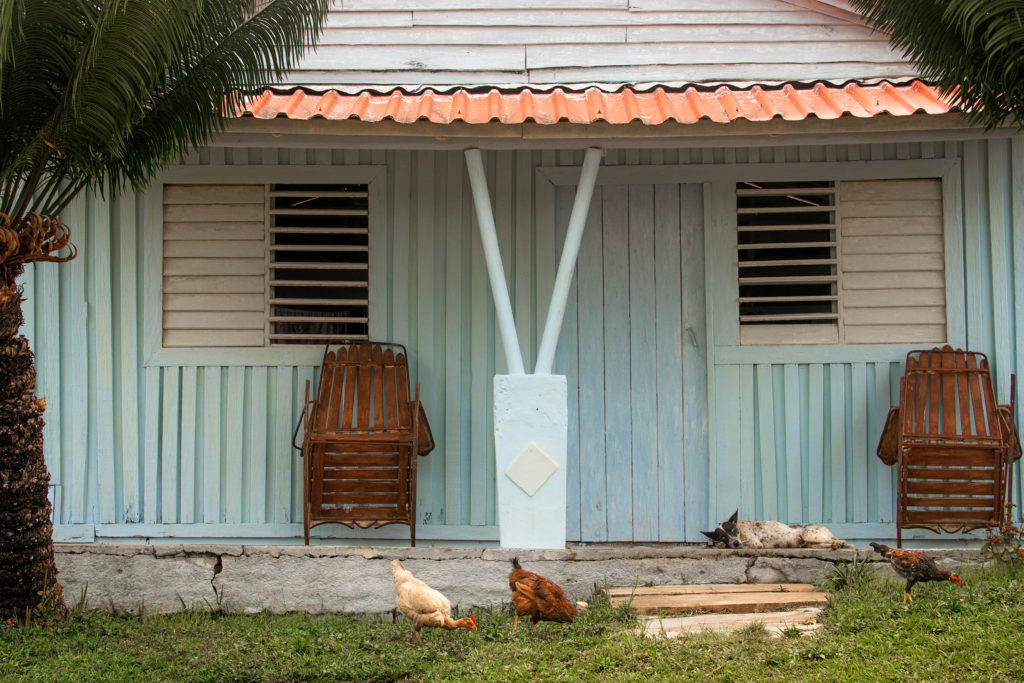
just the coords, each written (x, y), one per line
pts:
(168, 578)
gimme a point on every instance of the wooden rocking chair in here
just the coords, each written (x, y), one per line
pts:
(953, 446)
(361, 437)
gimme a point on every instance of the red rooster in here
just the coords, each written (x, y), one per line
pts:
(915, 567)
(538, 598)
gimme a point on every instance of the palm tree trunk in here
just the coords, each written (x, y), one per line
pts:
(28, 574)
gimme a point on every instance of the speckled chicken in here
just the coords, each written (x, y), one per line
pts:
(424, 605)
(915, 567)
(538, 598)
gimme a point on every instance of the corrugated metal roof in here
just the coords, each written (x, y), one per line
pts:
(689, 105)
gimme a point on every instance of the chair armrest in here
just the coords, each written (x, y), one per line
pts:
(889, 442)
(303, 419)
(1008, 429)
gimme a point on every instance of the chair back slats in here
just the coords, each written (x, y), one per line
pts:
(378, 385)
(948, 361)
(977, 396)
(390, 385)
(947, 395)
(364, 389)
(367, 369)
(402, 381)
(344, 419)
(963, 394)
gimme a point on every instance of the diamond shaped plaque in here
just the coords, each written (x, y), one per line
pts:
(531, 469)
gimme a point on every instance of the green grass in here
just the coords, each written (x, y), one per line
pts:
(968, 634)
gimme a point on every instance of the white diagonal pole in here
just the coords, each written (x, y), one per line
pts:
(489, 240)
(573, 236)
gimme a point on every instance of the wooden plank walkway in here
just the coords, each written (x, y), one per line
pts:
(805, 620)
(722, 607)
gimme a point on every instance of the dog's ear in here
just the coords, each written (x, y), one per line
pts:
(709, 534)
(735, 516)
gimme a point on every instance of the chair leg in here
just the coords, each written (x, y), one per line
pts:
(899, 533)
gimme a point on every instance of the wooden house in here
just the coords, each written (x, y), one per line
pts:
(782, 211)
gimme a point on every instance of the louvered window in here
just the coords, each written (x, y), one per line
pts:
(849, 262)
(319, 259)
(787, 253)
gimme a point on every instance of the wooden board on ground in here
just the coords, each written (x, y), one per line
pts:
(733, 598)
(804, 620)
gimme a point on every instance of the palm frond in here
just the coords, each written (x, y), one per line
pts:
(971, 49)
(102, 94)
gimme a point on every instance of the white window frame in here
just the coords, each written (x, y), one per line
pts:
(722, 260)
(151, 233)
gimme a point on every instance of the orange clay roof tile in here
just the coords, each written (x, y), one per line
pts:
(652, 107)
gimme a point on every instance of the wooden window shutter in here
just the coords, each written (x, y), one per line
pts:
(214, 245)
(893, 259)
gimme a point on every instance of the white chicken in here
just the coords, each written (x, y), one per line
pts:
(423, 605)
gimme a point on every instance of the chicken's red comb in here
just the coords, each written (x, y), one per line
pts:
(473, 619)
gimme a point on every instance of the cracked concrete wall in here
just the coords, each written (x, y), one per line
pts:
(321, 579)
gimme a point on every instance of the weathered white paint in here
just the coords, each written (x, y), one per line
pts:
(566, 266)
(492, 254)
(531, 409)
(432, 43)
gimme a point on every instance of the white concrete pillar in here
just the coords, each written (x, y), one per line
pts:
(531, 425)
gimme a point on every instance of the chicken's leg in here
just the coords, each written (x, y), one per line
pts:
(533, 626)
(515, 624)
(419, 638)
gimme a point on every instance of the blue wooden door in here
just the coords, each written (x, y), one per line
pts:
(633, 349)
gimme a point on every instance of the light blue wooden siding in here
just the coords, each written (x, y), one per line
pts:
(203, 451)
(795, 432)
(796, 441)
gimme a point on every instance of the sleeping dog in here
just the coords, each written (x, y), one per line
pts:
(734, 533)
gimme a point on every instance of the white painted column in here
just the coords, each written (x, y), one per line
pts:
(567, 264)
(495, 271)
(531, 421)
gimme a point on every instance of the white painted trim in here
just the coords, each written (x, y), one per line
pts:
(350, 134)
(836, 353)
(271, 173)
(226, 357)
(567, 264)
(699, 173)
(374, 176)
(492, 255)
(953, 245)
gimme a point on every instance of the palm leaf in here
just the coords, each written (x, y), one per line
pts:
(103, 94)
(971, 49)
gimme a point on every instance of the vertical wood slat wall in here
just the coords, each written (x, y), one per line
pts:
(180, 448)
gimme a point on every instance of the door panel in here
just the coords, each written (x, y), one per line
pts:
(632, 348)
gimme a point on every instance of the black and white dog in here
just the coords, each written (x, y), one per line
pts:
(736, 533)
